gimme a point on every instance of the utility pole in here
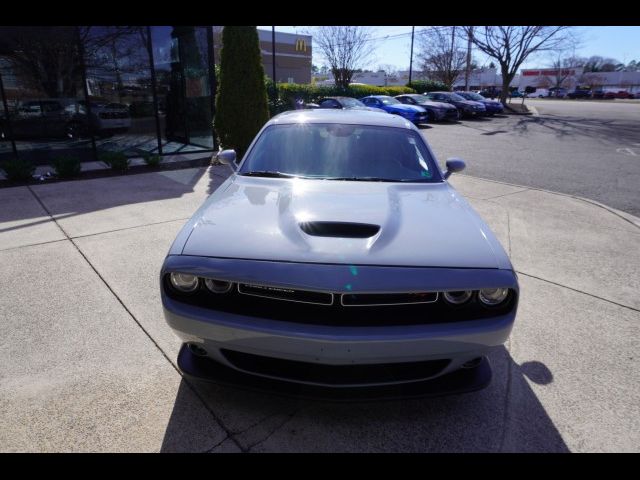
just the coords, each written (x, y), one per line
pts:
(273, 52)
(453, 39)
(411, 58)
(466, 77)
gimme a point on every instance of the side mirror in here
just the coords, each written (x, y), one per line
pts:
(454, 165)
(228, 157)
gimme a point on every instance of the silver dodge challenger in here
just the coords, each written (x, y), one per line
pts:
(337, 261)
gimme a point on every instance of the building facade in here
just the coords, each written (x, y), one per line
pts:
(136, 90)
(574, 77)
(293, 55)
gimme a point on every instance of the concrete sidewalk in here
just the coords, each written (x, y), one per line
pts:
(89, 363)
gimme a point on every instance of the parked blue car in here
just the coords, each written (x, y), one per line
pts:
(492, 106)
(413, 113)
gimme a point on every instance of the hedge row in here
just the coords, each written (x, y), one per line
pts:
(288, 93)
(422, 86)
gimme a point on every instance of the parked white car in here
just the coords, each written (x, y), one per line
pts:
(539, 93)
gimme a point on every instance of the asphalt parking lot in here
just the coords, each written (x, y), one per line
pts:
(90, 365)
(586, 148)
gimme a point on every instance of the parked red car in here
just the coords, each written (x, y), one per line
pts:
(619, 94)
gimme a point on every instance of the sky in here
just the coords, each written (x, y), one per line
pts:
(394, 47)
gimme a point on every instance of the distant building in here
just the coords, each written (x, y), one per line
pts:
(574, 77)
(293, 55)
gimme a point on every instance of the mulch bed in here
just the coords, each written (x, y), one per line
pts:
(134, 170)
(517, 109)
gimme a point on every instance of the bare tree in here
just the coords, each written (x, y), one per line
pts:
(512, 45)
(596, 63)
(345, 48)
(442, 56)
(564, 67)
(590, 79)
(47, 59)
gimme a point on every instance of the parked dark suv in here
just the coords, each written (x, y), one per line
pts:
(580, 93)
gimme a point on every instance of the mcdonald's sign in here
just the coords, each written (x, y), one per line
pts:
(301, 45)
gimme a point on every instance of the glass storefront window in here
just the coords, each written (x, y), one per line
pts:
(44, 92)
(120, 89)
(78, 91)
(184, 92)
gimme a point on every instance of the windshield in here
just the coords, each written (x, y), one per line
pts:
(388, 100)
(455, 96)
(341, 152)
(421, 98)
(351, 102)
(471, 96)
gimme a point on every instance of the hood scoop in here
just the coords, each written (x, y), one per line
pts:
(339, 229)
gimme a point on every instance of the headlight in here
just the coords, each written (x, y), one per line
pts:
(184, 282)
(218, 286)
(457, 298)
(493, 296)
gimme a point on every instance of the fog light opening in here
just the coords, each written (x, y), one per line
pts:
(472, 363)
(197, 350)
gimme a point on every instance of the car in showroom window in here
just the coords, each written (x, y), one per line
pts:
(337, 260)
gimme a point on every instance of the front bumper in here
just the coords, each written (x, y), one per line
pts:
(460, 381)
(448, 114)
(217, 332)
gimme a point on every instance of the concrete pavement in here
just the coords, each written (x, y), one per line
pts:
(583, 148)
(89, 363)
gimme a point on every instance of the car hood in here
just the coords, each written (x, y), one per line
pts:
(405, 108)
(445, 106)
(428, 225)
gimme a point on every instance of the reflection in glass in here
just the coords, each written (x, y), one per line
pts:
(44, 92)
(120, 89)
(180, 57)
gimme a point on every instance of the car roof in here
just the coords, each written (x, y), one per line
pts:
(337, 97)
(352, 117)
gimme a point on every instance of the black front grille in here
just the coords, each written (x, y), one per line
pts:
(335, 374)
(377, 299)
(276, 293)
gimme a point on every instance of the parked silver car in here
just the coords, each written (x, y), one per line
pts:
(337, 257)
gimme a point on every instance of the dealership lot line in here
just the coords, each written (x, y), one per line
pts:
(91, 362)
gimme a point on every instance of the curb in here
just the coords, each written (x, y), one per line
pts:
(633, 220)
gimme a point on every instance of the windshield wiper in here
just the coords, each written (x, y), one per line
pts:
(267, 173)
(364, 179)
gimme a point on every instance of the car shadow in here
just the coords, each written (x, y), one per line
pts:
(68, 199)
(504, 417)
(476, 119)
(448, 122)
